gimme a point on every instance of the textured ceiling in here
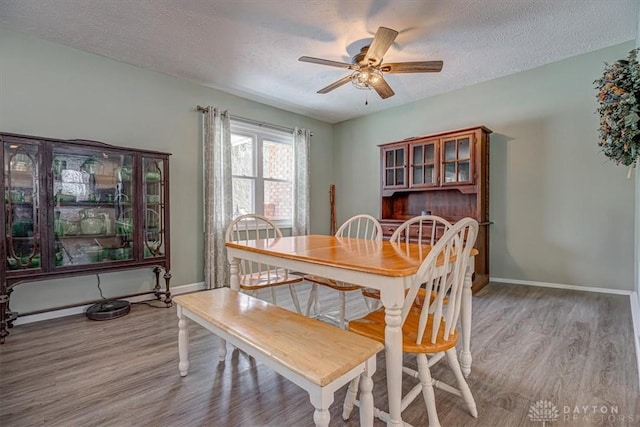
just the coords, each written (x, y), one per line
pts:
(251, 48)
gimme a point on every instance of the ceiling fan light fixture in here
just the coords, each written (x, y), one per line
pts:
(364, 78)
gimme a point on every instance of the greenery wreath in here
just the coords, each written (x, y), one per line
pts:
(619, 110)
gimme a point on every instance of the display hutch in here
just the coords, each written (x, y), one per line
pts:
(78, 207)
(445, 174)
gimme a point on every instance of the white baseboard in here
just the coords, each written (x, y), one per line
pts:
(182, 289)
(635, 314)
(560, 286)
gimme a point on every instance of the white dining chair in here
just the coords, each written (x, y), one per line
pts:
(361, 226)
(429, 332)
(257, 276)
(424, 230)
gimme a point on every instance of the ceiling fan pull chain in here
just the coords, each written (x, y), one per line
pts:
(366, 98)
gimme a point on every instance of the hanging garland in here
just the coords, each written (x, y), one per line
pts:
(619, 109)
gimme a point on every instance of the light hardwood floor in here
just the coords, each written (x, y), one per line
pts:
(570, 348)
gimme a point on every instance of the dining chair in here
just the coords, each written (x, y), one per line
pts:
(359, 226)
(429, 332)
(257, 276)
(422, 229)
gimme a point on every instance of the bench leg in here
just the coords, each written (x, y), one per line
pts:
(350, 398)
(321, 399)
(365, 383)
(183, 343)
(366, 396)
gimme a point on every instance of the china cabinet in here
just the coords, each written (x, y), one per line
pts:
(77, 207)
(445, 174)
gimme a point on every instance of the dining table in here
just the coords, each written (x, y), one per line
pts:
(386, 266)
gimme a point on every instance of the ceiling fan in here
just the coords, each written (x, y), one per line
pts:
(368, 68)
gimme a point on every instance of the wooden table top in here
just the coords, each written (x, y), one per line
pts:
(377, 257)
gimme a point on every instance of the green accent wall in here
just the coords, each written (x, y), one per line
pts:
(562, 212)
(51, 90)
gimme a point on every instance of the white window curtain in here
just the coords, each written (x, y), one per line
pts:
(218, 199)
(301, 144)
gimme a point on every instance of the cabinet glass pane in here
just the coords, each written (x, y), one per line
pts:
(389, 161)
(418, 175)
(449, 172)
(417, 155)
(400, 157)
(430, 153)
(399, 176)
(429, 174)
(93, 212)
(22, 208)
(463, 148)
(278, 200)
(390, 175)
(153, 185)
(463, 171)
(450, 150)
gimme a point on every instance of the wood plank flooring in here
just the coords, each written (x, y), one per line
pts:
(573, 349)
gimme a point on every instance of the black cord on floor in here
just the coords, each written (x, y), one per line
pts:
(99, 288)
(151, 305)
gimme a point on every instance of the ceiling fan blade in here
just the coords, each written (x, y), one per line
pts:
(326, 62)
(382, 41)
(335, 85)
(412, 67)
(382, 87)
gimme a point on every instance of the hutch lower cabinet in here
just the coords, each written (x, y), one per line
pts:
(444, 174)
(78, 207)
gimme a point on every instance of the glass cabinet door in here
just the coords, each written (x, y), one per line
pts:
(22, 205)
(93, 211)
(423, 164)
(395, 170)
(154, 204)
(456, 160)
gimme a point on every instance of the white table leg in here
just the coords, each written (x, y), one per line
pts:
(393, 353)
(183, 343)
(234, 280)
(465, 353)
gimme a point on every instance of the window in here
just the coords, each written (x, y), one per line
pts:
(262, 172)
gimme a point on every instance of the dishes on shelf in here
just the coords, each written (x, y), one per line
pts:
(152, 176)
(24, 262)
(123, 173)
(124, 226)
(65, 198)
(92, 226)
(22, 229)
(153, 198)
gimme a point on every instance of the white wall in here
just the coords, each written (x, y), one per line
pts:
(562, 212)
(51, 90)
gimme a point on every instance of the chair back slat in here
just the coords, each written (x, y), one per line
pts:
(361, 226)
(253, 226)
(442, 274)
(407, 231)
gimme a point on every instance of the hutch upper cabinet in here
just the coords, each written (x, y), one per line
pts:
(80, 207)
(446, 174)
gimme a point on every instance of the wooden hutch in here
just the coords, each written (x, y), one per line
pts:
(444, 174)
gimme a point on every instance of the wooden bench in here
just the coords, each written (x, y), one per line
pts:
(316, 356)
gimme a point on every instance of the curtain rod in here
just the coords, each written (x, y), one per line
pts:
(251, 121)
